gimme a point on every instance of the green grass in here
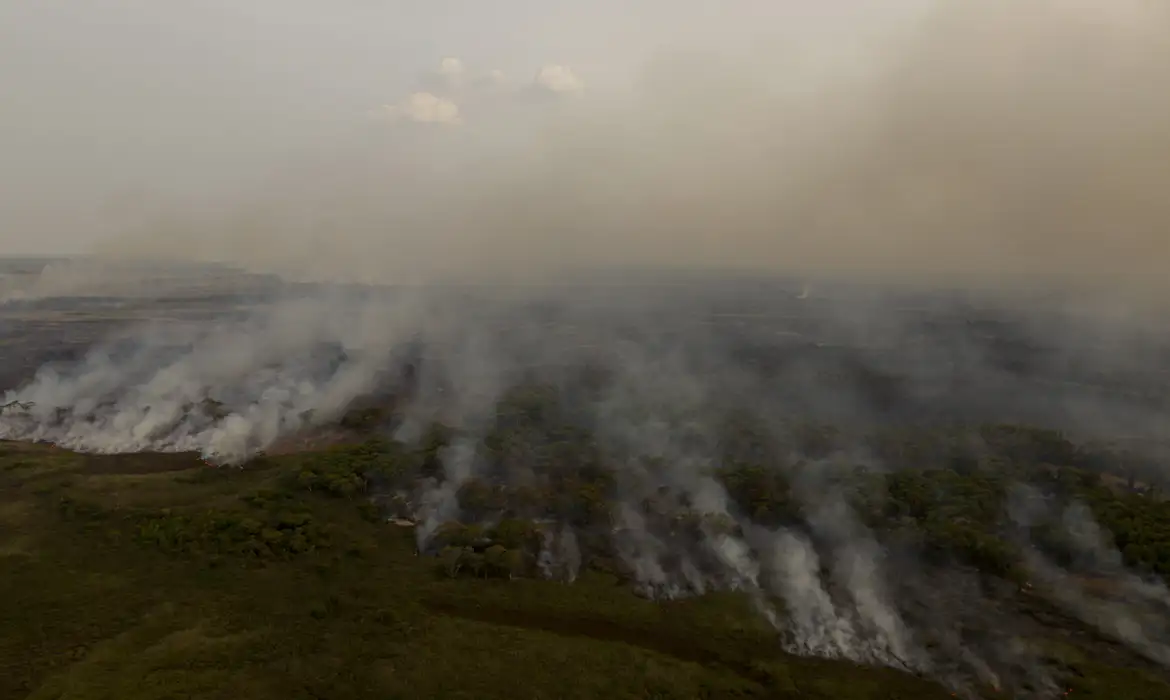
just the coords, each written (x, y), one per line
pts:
(124, 582)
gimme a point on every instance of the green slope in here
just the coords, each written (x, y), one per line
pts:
(111, 587)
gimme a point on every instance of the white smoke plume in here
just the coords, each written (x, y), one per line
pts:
(817, 628)
(560, 556)
(1098, 588)
(858, 559)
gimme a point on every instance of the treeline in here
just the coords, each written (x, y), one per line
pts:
(944, 487)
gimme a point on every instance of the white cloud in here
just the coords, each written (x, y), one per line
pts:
(492, 82)
(558, 79)
(423, 108)
(446, 92)
(451, 75)
(452, 67)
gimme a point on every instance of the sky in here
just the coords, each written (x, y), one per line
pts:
(389, 139)
(108, 102)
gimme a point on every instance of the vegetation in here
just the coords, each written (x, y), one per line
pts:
(285, 579)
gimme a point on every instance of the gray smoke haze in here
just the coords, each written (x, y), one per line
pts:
(1131, 609)
(909, 138)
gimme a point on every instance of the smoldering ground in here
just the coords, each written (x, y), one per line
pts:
(979, 144)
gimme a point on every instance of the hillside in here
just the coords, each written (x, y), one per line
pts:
(158, 576)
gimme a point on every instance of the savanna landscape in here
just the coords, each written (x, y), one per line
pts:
(584, 349)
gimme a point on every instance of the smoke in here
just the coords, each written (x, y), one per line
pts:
(976, 140)
(1098, 588)
(560, 556)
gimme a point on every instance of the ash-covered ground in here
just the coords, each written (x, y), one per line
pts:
(784, 438)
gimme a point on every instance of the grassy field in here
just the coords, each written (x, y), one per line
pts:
(150, 577)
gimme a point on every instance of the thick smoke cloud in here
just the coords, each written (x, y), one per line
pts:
(977, 139)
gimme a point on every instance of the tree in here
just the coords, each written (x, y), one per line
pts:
(516, 562)
(451, 560)
(478, 497)
(472, 561)
(451, 534)
(495, 561)
(513, 533)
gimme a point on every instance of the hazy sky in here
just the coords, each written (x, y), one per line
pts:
(384, 138)
(108, 102)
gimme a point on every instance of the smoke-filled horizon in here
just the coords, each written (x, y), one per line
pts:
(911, 139)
